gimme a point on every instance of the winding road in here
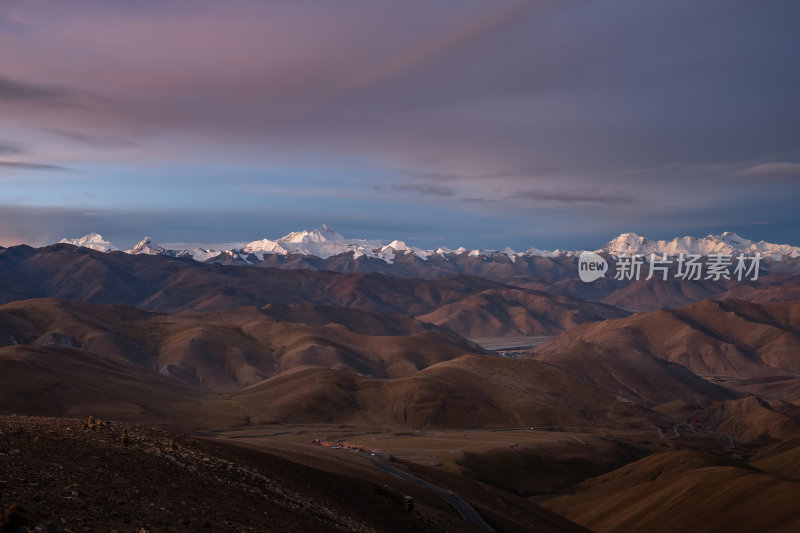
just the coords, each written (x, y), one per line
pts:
(461, 506)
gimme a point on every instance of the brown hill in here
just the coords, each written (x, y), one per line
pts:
(174, 284)
(781, 392)
(468, 392)
(509, 312)
(649, 295)
(300, 373)
(749, 419)
(471, 391)
(774, 287)
(291, 371)
(356, 320)
(782, 460)
(58, 381)
(633, 375)
(730, 337)
(683, 491)
(495, 266)
(230, 350)
(168, 284)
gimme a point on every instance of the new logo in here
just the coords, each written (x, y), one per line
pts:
(591, 266)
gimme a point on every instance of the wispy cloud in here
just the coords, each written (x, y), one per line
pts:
(489, 176)
(423, 189)
(778, 171)
(735, 223)
(455, 37)
(21, 165)
(93, 140)
(33, 92)
(10, 149)
(573, 197)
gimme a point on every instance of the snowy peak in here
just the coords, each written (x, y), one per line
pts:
(321, 242)
(264, 245)
(626, 243)
(94, 241)
(323, 233)
(727, 243)
(147, 246)
(735, 241)
(396, 245)
(403, 248)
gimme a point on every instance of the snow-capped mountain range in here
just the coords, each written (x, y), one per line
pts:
(325, 242)
(727, 243)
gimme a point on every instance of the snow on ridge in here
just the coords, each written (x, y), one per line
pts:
(147, 246)
(322, 242)
(321, 234)
(325, 242)
(93, 241)
(727, 243)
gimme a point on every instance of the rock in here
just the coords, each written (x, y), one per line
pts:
(408, 503)
(19, 518)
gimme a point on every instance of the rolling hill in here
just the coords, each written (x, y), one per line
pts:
(229, 350)
(683, 491)
(170, 284)
(728, 337)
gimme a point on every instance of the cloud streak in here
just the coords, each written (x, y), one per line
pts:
(10, 149)
(460, 35)
(93, 140)
(12, 90)
(777, 171)
(573, 197)
(21, 165)
(421, 188)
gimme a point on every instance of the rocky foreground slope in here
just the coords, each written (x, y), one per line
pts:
(65, 475)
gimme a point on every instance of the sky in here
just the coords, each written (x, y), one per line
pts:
(555, 124)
